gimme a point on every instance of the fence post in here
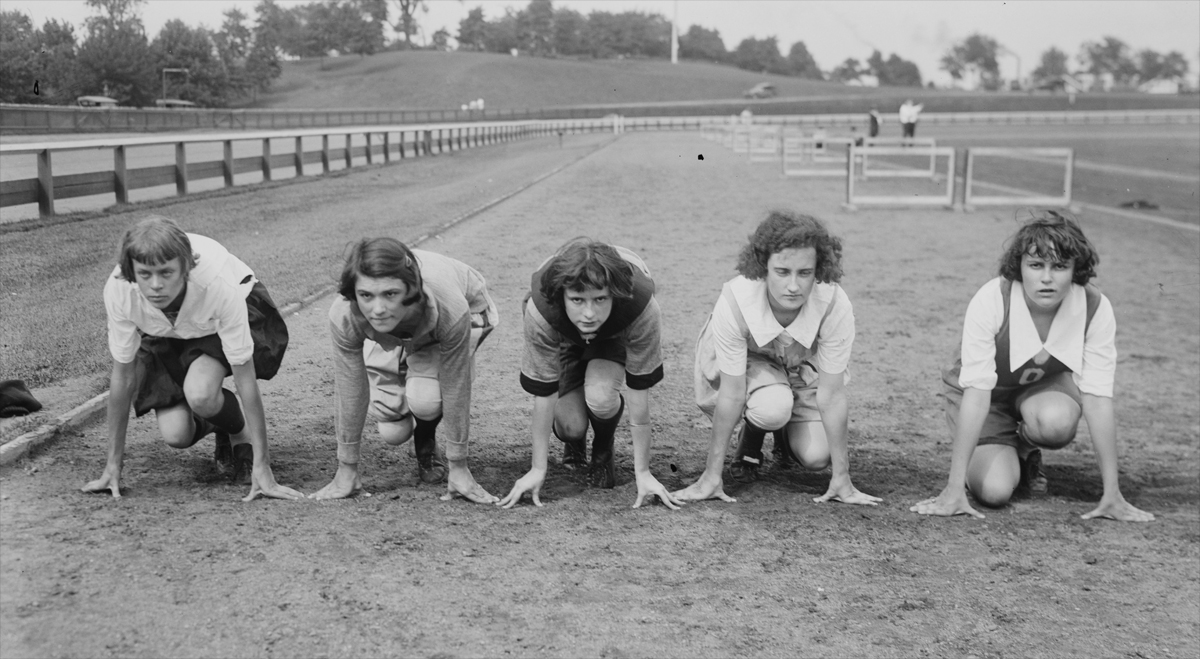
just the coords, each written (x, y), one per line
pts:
(45, 184)
(298, 156)
(266, 158)
(349, 153)
(181, 174)
(120, 175)
(402, 156)
(227, 164)
(370, 159)
(387, 146)
(325, 153)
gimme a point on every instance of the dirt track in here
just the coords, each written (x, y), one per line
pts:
(180, 568)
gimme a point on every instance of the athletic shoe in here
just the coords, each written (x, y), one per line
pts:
(1033, 480)
(574, 454)
(243, 463)
(223, 453)
(603, 473)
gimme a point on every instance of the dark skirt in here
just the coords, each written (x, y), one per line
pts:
(162, 363)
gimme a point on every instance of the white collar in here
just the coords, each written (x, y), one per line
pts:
(1065, 340)
(752, 300)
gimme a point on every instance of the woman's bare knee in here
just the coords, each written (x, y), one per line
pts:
(396, 432)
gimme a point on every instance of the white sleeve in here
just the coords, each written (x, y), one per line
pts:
(123, 337)
(982, 322)
(835, 338)
(728, 339)
(1099, 353)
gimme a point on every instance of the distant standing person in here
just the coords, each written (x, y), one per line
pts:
(184, 314)
(1038, 352)
(874, 120)
(773, 354)
(592, 324)
(405, 329)
(909, 113)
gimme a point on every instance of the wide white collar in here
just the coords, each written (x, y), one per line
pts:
(1065, 340)
(752, 300)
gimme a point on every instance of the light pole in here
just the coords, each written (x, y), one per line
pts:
(165, 72)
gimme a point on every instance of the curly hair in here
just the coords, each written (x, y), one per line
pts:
(1053, 236)
(790, 230)
(584, 263)
(152, 241)
(380, 258)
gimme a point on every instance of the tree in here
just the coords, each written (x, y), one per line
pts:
(975, 56)
(262, 63)
(847, 71)
(801, 64)
(702, 44)
(894, 71)
(1051, 69)
(18, 66)
(115, 56)
(500, 35)
(1153, 66)
(407, 24)
(1110, 56)
(441, 39)
(760, 55)
(628, 34)
(535, 27)
(569, 29)
(57, 62)
(178, 46)
(472, 31)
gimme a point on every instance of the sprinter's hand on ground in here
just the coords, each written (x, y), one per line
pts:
(950, 502)
(262, 483)
(460, 483)
(704, 489)
(346, 483)
(648, 486)
(1116, 507)
(110, 480)
(843, 490)
(531, 483)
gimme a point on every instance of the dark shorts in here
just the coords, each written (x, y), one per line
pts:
(162, 363)
(1004, 413)
(573, 360)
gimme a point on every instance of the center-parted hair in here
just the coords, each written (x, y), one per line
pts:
(584, 263)
(381, 258)
(790, 230)
(1053, 236)
(153, 241)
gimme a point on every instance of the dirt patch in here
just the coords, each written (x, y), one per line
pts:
(179, 567)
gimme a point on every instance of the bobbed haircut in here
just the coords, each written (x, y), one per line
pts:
(154, 241)
(381, 258)
(1053, 236)
(584, 263)
(790, 230)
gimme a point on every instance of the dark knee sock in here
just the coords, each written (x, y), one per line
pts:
(424, 433)
(230, 417)
(752, 441)
(202, 428)
(604, 430)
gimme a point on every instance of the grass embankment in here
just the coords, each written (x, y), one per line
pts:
(435, 80)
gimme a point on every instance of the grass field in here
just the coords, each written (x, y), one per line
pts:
(179, 568)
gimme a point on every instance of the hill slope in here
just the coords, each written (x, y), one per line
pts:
(426, 79)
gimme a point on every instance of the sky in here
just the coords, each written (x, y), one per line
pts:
(920, 31)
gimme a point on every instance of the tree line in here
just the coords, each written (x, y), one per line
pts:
(113, 56)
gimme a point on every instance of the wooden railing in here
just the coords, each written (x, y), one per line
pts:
(382, 142)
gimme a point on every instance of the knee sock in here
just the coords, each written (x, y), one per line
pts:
(751, 443)
(604, 430)
(230, 417)
(202, 428)
(424, 432)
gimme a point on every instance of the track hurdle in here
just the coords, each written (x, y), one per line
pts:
(912, 147)
(1044, 155)
(853, 200)
(801, 155)
(740, 139)
(764, 144)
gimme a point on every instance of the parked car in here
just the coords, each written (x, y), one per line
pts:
(174, 104)
(96, 102)
(761, 90)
